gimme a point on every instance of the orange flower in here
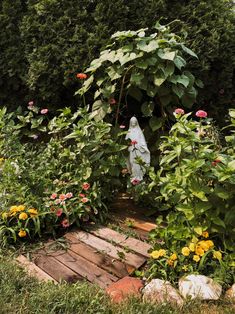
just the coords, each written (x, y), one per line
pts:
(22, 233)
(81, 76)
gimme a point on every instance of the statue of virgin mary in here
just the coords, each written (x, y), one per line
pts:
(139, 155)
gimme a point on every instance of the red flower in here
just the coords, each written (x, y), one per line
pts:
(44, 111)
(112, 101)
(82, 195)
(135, 181)
(53, 196)
(69, 195)
(65, 223)
(86, 186)
(179, 111)
(81, 76)
(59, 212)
(134, 142)
(62, 197)
(85, 200)
(201, 114)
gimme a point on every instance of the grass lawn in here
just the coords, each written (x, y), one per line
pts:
(20, 293)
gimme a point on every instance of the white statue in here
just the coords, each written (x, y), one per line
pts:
(138, 150)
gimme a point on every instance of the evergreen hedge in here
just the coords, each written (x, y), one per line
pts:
(46, 42)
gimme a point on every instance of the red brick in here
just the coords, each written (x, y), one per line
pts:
(123, 288)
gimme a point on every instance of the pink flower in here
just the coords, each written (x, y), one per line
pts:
(201, 114)
(62, 197)
(65, 223)
(59, 212)
(53, 196)
(57, 201)
(85, 200)
(135, 181)
(179, 111)
(221, 91)
(112, 101)
(86, 186)
(35, 136)
(82, 195)
(122, 126)
(69, 195)
(134, 142)
(44, 111)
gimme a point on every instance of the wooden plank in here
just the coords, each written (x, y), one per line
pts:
(122, 240)
(108, 248)
(34, 270)
(84, 268)
(141, 224)
(55, 269)
(102, 260)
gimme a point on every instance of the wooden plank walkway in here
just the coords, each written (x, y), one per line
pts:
(99, 255)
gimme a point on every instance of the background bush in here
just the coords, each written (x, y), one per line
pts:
(46, 42)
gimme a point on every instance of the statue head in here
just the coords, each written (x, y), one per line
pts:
(133, 122)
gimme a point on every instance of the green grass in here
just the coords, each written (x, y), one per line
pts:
(20, 293)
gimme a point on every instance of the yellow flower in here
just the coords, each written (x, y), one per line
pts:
(196, 258)
(23, 216)
(192, 246)
(22, 233)
(217, 254)
(170, 262)
(33, 212)
(162, 252)
(185, 251)
(21, 208)
(210, 243)
(194, 239)
(185, 267)
(14, 209)
(4, 215)
(155, 254)
(199, 250)
(205, 234)
(173, 257)
(1, 159)
(204, 245)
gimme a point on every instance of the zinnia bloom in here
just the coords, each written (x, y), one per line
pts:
(112, 101)
(81, 76)
(53, 196)
(201, 114)
(135, 181)
(59, 212)
(65, 223)
(179, 111)
(22, 233)
(69, 195)
(30, 103)
(62, 197)
(44, 111)
(82, 195)
(23, 216)
(185, 251)
(86, 186)
(85, 200)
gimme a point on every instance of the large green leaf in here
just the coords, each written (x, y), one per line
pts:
(155, 123)
(147, 108)
(166, 54)
(187, 210)
(189, 51)
(178, 90)
(135, 92)
(179, 62)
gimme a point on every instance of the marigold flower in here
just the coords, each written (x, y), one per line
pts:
(217, 255)
(59, 212)
(173, 257)
(210, 243)
(199, 250)
(33, 212)
(81, 76)
(86, 186)
(192, 246)
(154, 254)
(23, 216)
(85, 200)
(170, 262)
(65, 223)
(204, 245)
(44, 111)
(135, 181)
(21, 208)
(69, 195)
(162, 252)
(196, 258)
(53, 196)
(185, 251)
(22, 233)
(179, 111)
(14, 209)
(201, 114)
(205, 234)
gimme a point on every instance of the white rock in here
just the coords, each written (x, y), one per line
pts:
(199, 286)
(230, 293)
(160, 291)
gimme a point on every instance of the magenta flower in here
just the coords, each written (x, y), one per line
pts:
(135, 181)
(201, 114)
(179, 111)
(44, 111)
